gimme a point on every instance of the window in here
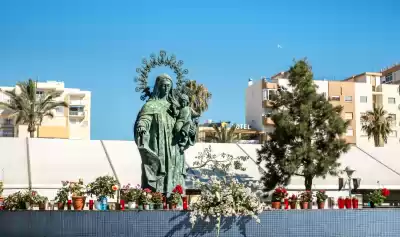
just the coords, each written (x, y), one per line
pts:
(363, 99)
(271, 93)
(348, 115)
(393, 134)
(335, 98)
(265, 94)
(349, 132)
(389, 77)
(392, 100)
(392, 118)
(348, 98)
(7, 121)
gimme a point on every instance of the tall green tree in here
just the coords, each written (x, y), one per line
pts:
(199, 96)
(307, 140)
(27, 108)
(377, 124)
(223, 134)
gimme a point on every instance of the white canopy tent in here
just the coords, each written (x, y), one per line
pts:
(54, 160)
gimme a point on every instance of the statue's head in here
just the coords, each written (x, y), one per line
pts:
(184, 100)
(163, 86)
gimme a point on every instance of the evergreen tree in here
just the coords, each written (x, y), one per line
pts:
(307, 140)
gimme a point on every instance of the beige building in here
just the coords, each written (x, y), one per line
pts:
(391, 75)
(357, 94)
(68, 123)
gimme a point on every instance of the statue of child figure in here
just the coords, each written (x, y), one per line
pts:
(186, 121)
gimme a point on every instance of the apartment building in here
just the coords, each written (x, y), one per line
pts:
(357, 95)
(68, 123)
(391, 75)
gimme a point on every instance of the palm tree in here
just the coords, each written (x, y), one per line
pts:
(377, 125)
(29, 109)
(199, 96)
(223, 134)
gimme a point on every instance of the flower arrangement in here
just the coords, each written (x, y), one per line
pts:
(157, 198)
(103, 186)
(222, 198)
(378, 196)
(293, 198)
(77, 189)
(279, 194)
(176, 195)
(62, 193)
(131, 194)
(305, 196)
(321, 196)
(145, 196)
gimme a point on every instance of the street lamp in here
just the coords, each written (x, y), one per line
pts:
(349, 171)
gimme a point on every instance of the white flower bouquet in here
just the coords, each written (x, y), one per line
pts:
(220, 198)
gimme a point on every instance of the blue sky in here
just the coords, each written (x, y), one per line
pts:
(96, 45)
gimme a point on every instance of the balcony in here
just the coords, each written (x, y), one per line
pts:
(267, 104)
(76, 113)
(77, 102)
(268, 121)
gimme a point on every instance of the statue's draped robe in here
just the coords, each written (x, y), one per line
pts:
(165, 169)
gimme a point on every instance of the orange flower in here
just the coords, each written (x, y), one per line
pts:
(114, 187)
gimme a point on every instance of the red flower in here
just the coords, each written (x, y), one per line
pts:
(147, 190)
(33, 193)
(178, 189)
(385, 192)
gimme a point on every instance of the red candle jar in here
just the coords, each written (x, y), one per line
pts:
(348, 203)
(185, 202)
(91, 203)
(340, 203)
(122, 204)
(165, 206)
(286, 202)
(69, 203)
(355, 203)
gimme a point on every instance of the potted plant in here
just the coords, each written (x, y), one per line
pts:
(176, 197)
(78, 192)
(277, 196)
(157, 199)
(321, 198)
(305, 197)
(30, 197)
(62, 195)
(103, 187)
(377, 197)
(41, 201)
(293, 201)
(131, 195)
(15, 201)
(145, 198)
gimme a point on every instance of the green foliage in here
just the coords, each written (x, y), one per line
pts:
(28, 108)
(15, 201)
(307, 138)
(321, 196)
(199, 96)
(1, 188)
(157, 198)
(376, 124)
(223, 134)
(376, 197)
(305, 196)
(77, 189)
(103, 186)
(62, 193)
(130, 194)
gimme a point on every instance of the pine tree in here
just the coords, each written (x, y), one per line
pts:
(307, 140)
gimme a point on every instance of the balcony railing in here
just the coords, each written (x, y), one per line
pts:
(77, 113)
(77, 102)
